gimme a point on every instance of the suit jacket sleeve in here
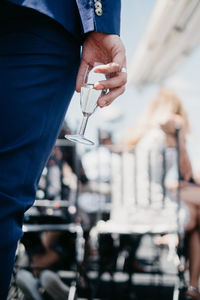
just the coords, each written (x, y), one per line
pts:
(103, 17)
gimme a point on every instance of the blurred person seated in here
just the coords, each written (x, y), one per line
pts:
(47, 253)
(62, 172)
(53, 176)
(58, 180)
(157, 129)
(48, 284)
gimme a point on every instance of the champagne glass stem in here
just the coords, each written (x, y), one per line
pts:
(83, 125)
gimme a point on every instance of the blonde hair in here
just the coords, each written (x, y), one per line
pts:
(165, 104)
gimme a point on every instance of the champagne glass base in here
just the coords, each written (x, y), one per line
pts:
(78, 138)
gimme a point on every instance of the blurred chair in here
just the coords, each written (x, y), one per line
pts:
(67, 244)
(142, 205)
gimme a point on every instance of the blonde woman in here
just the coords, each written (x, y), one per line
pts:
(157, 129)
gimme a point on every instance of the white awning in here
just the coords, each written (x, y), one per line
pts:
(172, 33)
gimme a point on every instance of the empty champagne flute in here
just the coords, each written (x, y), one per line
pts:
(88, 101)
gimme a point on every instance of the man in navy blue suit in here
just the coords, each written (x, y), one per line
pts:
(40, 65)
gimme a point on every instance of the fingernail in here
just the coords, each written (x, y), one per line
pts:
(98, 86)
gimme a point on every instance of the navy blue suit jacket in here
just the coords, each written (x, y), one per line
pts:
(78, 16)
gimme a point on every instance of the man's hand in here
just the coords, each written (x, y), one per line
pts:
(109, 50)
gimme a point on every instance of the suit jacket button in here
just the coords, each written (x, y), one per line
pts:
(98, 5)
(98, 12)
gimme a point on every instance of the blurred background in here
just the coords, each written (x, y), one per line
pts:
(90, 222)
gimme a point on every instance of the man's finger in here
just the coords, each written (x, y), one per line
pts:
(118, 80)
(108, 98)
(107, 68)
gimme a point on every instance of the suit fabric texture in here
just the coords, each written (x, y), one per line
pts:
(39, 58)
(78, 16)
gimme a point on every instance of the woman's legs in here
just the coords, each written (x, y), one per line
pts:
(194, 257)
(190, 194)
(38, 67)
(193, 251)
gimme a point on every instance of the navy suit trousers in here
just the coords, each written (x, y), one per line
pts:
(39, 60)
